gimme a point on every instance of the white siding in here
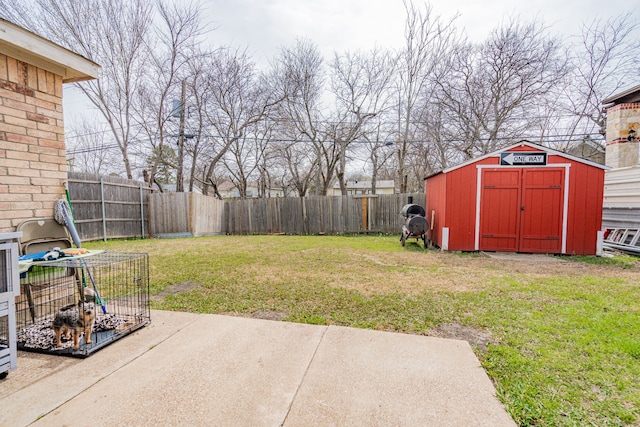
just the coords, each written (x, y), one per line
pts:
(622, 187)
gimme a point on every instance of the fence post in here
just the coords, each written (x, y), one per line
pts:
(104, 214)
(305, 228)
(142, 209)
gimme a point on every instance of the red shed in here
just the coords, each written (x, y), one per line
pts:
(524, 198)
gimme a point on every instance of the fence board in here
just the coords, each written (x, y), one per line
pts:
(169, 213)
(165, 214)
(192, 214)
(317, 214)
(108, 207)
(206, 214)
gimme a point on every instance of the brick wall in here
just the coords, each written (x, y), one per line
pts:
(32, 149)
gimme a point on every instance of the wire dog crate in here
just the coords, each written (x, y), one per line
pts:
(115, 285)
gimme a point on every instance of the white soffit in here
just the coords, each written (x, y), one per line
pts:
(28, 47)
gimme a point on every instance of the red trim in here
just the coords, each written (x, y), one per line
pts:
(620, 141)
(629, 106)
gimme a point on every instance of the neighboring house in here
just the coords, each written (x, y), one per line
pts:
(228, 190)
(359, 188)
(623, 128)
(171, 188)
(32, 145)
(589, 150)
(622, 183)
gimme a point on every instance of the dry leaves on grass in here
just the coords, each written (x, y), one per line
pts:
(414, 272)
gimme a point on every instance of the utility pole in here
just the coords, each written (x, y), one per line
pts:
(319, 154)
(179, 178)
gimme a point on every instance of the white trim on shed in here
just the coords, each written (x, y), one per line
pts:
(523, 144)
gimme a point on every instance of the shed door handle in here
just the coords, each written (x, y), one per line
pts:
(522, 207)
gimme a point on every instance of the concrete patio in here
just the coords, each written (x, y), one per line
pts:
(198, 369)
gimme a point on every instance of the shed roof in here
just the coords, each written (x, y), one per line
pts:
(628, 96)
(29, 47)
(522, 144)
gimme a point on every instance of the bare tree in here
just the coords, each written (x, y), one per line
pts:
(433, 150)
(268, 170)
(428, 39)
(186, 121)
(237, 98)
(91, 149)
(603, 62)
(493, 88)
(378, 144)
(178, 29)
(246, 154)
(298, 78)
(141, 46)
(298, 165)
(117, 39)
(361, 83)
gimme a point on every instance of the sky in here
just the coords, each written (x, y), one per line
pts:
(264, 26)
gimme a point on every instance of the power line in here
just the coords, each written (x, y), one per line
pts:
(320, 122)
(544, 138)
(92, 149)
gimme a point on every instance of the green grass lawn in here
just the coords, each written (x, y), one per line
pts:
(563, 334)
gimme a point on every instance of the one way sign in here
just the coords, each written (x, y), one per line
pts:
(521, 158)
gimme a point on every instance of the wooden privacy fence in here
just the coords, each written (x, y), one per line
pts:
(108, 207)
(189, 214)
(318, 215)
(113, 207)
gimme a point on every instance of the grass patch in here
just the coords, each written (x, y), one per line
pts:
(564, 336)
(620, 260)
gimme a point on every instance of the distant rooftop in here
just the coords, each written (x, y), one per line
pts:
(626, 97)
(366, 184)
